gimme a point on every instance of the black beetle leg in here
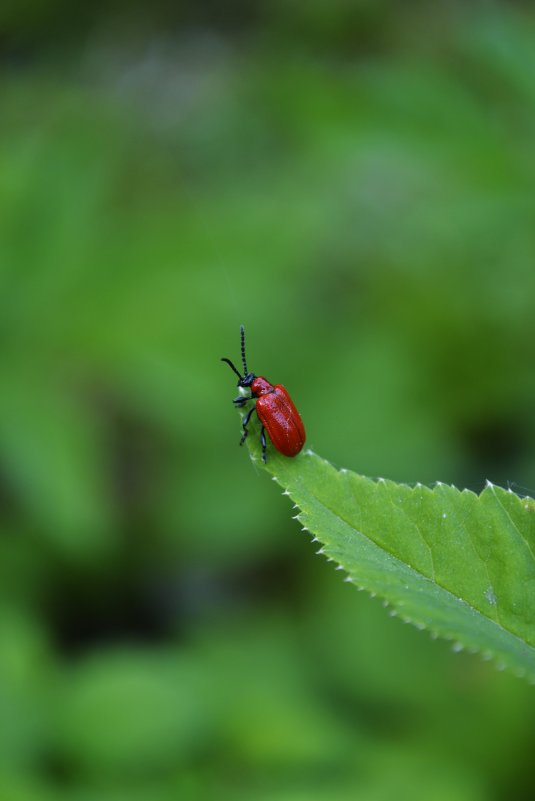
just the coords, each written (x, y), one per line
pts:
(246, 423)
(263, 441)
(240, 401)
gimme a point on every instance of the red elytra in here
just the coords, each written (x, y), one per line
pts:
(274, 407)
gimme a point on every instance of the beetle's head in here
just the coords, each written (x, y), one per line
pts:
(247, 378)
(244, 380)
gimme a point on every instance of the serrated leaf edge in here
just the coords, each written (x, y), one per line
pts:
(485, 654)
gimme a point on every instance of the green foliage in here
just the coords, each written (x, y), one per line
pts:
(458, 564)
(354, 183)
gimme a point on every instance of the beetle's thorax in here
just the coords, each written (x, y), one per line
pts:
(261, 386)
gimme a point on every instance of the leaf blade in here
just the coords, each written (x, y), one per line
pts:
(459, 564)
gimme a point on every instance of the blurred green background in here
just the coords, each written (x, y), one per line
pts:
(353, 181)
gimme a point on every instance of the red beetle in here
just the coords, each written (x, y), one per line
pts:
(274, 407)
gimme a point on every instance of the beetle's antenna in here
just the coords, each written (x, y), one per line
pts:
(232, 367)
(242, 332)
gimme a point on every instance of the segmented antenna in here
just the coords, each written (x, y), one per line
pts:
(230, 364)
(242, 332)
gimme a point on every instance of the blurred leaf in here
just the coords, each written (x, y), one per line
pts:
(25, 668)
(459, 564)
(51, 450)
(130, 712)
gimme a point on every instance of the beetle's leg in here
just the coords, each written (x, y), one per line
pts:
(241, 401)
(263, 441)
(245, 424)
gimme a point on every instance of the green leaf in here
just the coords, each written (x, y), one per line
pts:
(459, 564)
